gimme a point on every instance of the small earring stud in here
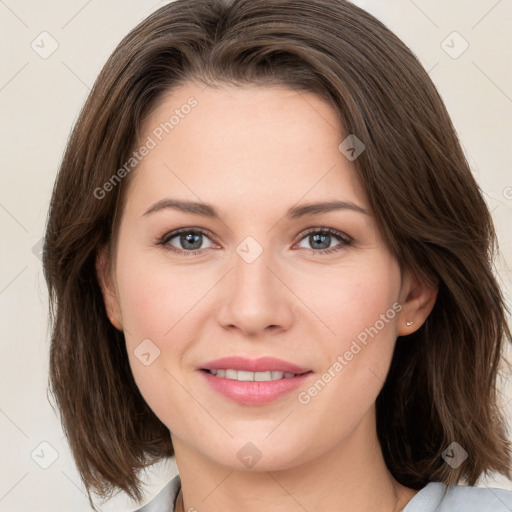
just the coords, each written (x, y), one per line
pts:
(408, 323)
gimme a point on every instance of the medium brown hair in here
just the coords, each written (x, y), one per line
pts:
(442, 385)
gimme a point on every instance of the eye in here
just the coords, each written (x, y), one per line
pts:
(189, 241)
(320, 240)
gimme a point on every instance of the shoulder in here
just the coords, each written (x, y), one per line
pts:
(437, 497)
(477, 499)
(165, 499)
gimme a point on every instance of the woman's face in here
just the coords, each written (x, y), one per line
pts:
(254, 275)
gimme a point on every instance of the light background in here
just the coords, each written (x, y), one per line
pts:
(40, 99)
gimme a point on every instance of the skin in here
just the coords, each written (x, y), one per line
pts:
(252, 153)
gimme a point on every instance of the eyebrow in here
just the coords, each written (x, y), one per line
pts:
(295, 212)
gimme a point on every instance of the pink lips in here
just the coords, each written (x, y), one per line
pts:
(255, 392)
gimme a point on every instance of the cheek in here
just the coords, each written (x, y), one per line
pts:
(351, 298)
(155, 296)
(152, 302)
(371, 307)
(360, 309)
(150, 310)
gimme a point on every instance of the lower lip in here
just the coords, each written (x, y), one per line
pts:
(254, 393)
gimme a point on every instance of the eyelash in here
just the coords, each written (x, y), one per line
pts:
(342, 237)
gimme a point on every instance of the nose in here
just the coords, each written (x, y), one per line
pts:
(256, 299)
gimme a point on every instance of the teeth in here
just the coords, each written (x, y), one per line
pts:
(244, 376)
(231, 374)
(262, 376)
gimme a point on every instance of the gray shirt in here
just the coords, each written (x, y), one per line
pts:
(434, 497)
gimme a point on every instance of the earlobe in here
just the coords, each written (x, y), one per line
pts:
(105, 281)
(417, 298)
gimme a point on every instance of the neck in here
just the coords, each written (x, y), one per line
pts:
(349, 476)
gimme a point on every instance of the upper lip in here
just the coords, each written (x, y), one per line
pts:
(262, 364)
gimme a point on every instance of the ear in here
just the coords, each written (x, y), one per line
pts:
(417, 298)
(106, 282)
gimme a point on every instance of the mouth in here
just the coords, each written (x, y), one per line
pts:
(247, 376)
(254, 382)
(243, 387)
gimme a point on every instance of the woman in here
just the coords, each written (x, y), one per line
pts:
(267, 256)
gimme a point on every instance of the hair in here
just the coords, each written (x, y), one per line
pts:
(442, 386)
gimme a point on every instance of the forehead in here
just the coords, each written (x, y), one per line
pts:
(253, 141)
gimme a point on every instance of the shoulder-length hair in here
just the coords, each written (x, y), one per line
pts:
(442, 384)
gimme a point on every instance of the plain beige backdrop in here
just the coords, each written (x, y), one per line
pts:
(51, 54)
